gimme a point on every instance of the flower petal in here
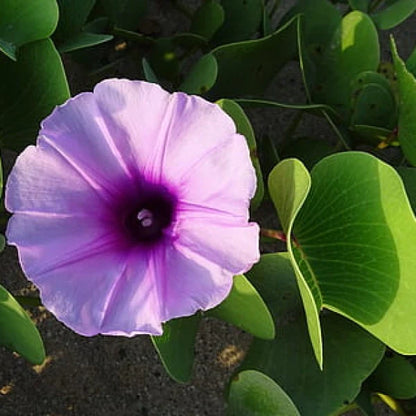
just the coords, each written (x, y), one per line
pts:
(136, 114)
(161, 132)
(73, 196)
(196, 129)
(77, 293)
(43, 182)
(134, 307)
(45, 242)
(224, 180)
(161, 286)
(233, 247)
(78, 131)
(192, 283)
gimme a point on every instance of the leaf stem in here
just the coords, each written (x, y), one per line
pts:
(133, 36)
(275, 234)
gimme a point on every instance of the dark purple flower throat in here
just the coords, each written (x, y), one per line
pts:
(148, 213)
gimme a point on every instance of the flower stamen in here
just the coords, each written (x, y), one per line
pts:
(145, 217)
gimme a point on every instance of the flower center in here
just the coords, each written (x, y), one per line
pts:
(147, 218)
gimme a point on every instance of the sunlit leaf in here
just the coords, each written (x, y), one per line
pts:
(245, 308)
(254, 394)
(176, 346)
(407, 104)
(23, 21)
(27, 96)
(350, 353)
(17, 331)
(354, 48)
(289, 183)
(355, 235)
(244, 127)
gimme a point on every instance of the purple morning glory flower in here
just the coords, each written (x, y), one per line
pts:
(132, 209)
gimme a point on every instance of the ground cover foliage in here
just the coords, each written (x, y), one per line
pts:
(333, 316)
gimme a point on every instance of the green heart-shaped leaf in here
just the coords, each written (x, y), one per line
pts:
(374, 106)
(242, 18)
(254, 394)
(350, 354)
(201, 77)
(353, 244)
(84, 40)
(411, 62)
(394, 376)
(408, 176)
(371, 134)
(149, 74)
(207, 19)
(70, 34)
(308, 149)
(407, 104)
(245, 308)
(359, 5)
(289, 183)
(17, 331)
(23, 108)
(394, 14)
(244, 127)
(354, 48)
(248, 67)
(24, 21)
(363, 401)
(176, 346)
(319, 21)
